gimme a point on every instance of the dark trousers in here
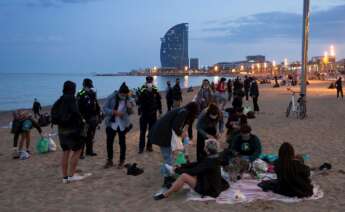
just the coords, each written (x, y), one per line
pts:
(15, 139)
(144, 121)
(91, 131)
(255, 103)
(200, 148)
(169, 105)
(110, 143)
(246, 92)
(37, 113)
(340, 91)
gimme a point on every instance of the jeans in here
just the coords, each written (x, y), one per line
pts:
(110, 143)
(144, 121)
(167, 155)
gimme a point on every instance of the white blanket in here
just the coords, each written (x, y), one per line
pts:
(246, 191)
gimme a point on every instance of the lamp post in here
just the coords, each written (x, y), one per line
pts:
(305, 45)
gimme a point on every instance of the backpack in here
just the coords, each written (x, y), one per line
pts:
(59, 114)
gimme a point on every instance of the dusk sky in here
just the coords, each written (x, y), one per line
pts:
(84, 36)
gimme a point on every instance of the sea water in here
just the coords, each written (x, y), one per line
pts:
(19, 90)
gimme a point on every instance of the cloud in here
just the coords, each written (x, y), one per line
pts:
(324, 25)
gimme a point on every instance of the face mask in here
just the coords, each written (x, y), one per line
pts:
(245, 137)
(213, 117)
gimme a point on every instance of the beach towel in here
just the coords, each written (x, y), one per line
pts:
(247, 190)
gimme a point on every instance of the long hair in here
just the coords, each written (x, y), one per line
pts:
(213, 110)
(286, 157)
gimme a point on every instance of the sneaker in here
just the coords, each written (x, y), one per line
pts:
(149, 149)
(82, 157)
(159, 197)
(108, 164)
(141, 151)
(170, 169)
(78, 177)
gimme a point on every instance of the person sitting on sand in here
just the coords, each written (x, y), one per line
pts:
(205, 177)
(246, 145)
(293, 176)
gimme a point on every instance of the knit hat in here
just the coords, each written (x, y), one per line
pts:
(212, 146)
(124, 89)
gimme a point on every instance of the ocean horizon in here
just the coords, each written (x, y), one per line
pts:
(18, 90)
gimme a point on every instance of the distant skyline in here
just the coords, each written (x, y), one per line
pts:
(84, 36)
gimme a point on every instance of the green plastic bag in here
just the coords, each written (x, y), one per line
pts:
(180, 159)
(42, 145)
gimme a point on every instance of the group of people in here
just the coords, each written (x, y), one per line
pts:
(78, 115)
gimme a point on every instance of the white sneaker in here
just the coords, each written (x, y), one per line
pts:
(78, 177)
(65, 181)
(170, 169)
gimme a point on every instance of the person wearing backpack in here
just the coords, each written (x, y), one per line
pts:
(117, 109)
(90, 111)
(66, 115)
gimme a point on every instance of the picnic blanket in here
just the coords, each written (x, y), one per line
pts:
(246, 191)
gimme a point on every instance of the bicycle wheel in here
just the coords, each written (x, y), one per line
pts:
(302, 110)
(288, 109)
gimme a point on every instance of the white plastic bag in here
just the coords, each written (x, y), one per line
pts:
(176, 142)
(51, 145)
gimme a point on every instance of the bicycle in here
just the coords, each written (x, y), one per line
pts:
(299, 107)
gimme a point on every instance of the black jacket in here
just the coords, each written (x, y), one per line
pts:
(161, 131)
(209, 178)
(169, 95)
(149, 102)
(246, 84)
(254, 89)
(71, 110)
(88, 104)
(36, 107)
(251, 148)
(177, 93)
(294, 186)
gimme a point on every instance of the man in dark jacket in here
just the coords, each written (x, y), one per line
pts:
(246, 145)
(36, 108)
(177, 94)
(65, 113)
(149, 104)
(339, 87)
(246, 84)
(90, 111)
(254, 93)
(169, 96)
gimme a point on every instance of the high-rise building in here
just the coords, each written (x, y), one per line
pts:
(194, 63)
(174, 47)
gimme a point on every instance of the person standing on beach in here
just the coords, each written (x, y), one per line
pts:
(246, 84)
(149, 104)
(90, 111)
(177, 94)
(204, 96)
(254, 93)
(162, 132)
(221, 93)
(169, 96)
(117, 109)
(229, 87)
(210, 125)
(65, 114)
(36, 108)
(339, 87)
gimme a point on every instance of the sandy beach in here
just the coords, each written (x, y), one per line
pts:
(35, 184)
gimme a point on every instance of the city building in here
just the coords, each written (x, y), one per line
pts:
(174, 47)
(194, 63)
(256, 58)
